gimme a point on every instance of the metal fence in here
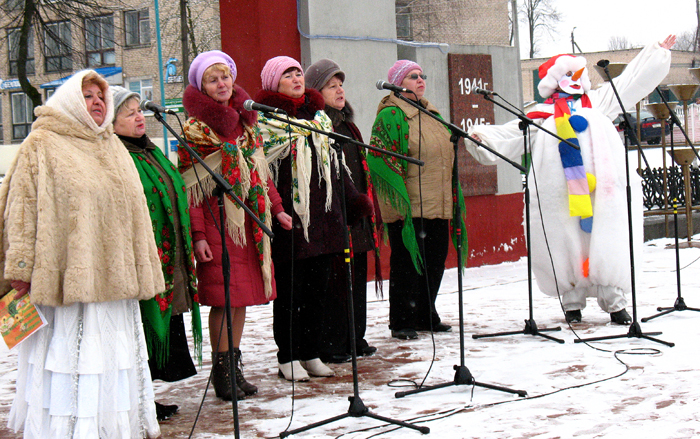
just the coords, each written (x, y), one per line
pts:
(653, 187)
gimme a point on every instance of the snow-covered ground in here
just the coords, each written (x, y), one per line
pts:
(623, 388)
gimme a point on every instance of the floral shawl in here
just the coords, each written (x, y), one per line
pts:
(156, 312)
(243, 165)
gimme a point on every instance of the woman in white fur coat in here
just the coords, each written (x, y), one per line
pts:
(76, 237)
(582, 194)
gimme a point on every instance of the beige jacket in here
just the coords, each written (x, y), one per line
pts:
(73, 215)
(437, 152)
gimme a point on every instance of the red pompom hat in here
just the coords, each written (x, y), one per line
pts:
(553, 69)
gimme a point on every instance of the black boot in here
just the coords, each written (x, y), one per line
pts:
(242, 384)
(573, 316)
(222, 377)
(620, 317)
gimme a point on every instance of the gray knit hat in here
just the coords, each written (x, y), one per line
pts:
(319, 73)
(120, 95)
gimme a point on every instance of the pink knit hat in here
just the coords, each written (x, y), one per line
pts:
(400, 69)
(273, 70)
(205, 60)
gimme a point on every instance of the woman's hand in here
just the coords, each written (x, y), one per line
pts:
(285, 220)
(668, 42)
(21, 287)
(202, 252)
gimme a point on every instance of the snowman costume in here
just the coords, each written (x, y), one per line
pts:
(581, 194)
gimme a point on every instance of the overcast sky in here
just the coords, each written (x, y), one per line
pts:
(640, 21)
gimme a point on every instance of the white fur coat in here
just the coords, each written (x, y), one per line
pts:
(74, 218)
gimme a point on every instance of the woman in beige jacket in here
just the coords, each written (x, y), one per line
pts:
(416, 202)
(76, 237)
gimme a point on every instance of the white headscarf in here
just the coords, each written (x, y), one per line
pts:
(68, 99)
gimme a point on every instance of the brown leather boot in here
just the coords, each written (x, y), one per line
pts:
(222, 377)
(241, 382)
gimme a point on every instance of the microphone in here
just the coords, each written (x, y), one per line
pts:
(483, 91)
(251, 105)
(147, 105)
(383, 85)
(603, 63)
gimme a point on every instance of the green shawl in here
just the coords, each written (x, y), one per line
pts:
(390, 132)
(156, 312)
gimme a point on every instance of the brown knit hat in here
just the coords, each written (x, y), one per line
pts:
(319, 73)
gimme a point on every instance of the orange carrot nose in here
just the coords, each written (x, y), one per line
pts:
(577, 74)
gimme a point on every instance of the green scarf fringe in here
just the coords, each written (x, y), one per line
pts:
(197, 332)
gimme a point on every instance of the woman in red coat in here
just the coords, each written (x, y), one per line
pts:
(227, 137)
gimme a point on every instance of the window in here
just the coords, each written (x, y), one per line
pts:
(58, 47)
(49, 93)
(404, 28)
(13, 48)
(99, 41)
(21, 115)
(138, 28)
(144, 87)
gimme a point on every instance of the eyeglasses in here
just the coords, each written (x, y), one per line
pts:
(416, 76)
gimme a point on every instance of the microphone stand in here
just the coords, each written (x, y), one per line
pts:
(357, 407)
(679, 304)
(222, 187)
(530, 324)
(462, 374)
(635, 329)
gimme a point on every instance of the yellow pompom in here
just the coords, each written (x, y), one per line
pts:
(591, 182)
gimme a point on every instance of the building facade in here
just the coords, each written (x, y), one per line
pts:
(119, 42)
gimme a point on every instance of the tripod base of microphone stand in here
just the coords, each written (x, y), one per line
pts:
(357, 409)
(530, 329)
(678, 306)
(635, 331)
(685, 244)
(462, 377)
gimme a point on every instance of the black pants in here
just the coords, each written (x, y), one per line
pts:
(298, 314)
(336, 321)
(412, 295)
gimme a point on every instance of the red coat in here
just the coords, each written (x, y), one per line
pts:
(246, 284)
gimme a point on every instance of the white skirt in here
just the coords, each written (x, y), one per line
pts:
(85, 375)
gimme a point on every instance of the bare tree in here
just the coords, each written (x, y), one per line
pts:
(619, 43)
(198, 28)
(696, 46)
(542, 18)
(685, 41)
(34, 18)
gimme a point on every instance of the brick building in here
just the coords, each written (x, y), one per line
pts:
(119, 43)
(468, 22)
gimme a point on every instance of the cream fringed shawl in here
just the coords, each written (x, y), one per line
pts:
(74, 218)
(276, 141)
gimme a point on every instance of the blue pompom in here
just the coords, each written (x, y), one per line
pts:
(578, 123)
(586, 224)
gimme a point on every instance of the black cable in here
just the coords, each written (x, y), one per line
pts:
(291, 279)
(422, 235)
(551, 258)
(454, 411)
(218, 228)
